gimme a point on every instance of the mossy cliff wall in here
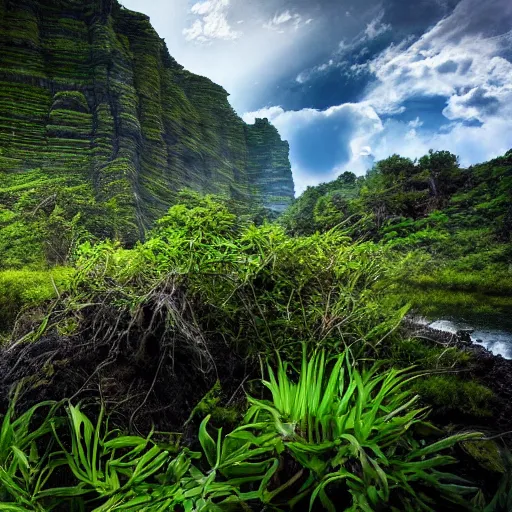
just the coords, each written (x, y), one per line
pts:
(91, 100)
(268, 165)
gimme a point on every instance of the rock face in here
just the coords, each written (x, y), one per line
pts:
(90, 96)
(268, 165)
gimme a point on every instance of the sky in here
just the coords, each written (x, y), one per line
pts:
(350, 82)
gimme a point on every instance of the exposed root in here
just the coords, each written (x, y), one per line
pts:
(151, 361)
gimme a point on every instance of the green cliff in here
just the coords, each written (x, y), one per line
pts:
(268, 165)
(97, 119)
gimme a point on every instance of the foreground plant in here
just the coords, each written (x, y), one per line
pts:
(24, 463)
(106, 470)
(349, 438)
(356, 430)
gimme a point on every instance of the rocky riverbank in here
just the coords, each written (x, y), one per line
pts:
(494, 371)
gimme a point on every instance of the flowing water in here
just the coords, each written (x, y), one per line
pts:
(494, 336)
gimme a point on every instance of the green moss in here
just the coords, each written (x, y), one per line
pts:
(449, 393)
(28, 288)
(413, 351)
(441, 302)
(487, 454)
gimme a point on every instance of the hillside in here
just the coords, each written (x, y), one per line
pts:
(97, 119)
(450, 226)
(398, 197)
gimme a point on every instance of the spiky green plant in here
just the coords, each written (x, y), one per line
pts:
(24, 468)
(108, 471)
(356, 428)
(345, 427)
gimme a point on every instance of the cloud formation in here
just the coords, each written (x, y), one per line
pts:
(211, 22)
(454, 59)
(460, 60)
(285, 20)
(376, 28)
(356, 81)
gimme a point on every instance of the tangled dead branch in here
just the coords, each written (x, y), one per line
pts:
(151, 361)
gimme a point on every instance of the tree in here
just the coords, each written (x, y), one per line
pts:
(443, 172)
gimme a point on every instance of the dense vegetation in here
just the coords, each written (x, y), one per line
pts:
(210, 356)
(454, 224)
(223, 364)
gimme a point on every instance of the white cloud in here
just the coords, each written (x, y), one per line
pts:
(415, 123)
(282, 18)
(194, 32)
(212, 23)
(308, 74)
(472, 143)
(325, 66)
(286, 19)
(202, 8)
(376, 28)
(447, 61)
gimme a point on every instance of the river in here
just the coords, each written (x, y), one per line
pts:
(495, 336)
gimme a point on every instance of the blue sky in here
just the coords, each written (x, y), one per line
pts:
(350, 81)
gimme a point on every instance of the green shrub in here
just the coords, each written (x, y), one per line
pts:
(338, 431)
(257, 287)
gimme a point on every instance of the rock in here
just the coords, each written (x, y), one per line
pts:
(90, 98)
(487, 454)
(493, 371)
(464, 335)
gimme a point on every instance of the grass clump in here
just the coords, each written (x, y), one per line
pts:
(352, 430)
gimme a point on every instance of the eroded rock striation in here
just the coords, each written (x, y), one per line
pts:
(90, 97)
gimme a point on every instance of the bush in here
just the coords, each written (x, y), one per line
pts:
(258, 287)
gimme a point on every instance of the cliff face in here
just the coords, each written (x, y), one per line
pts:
(268, 165)
(91, 100)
